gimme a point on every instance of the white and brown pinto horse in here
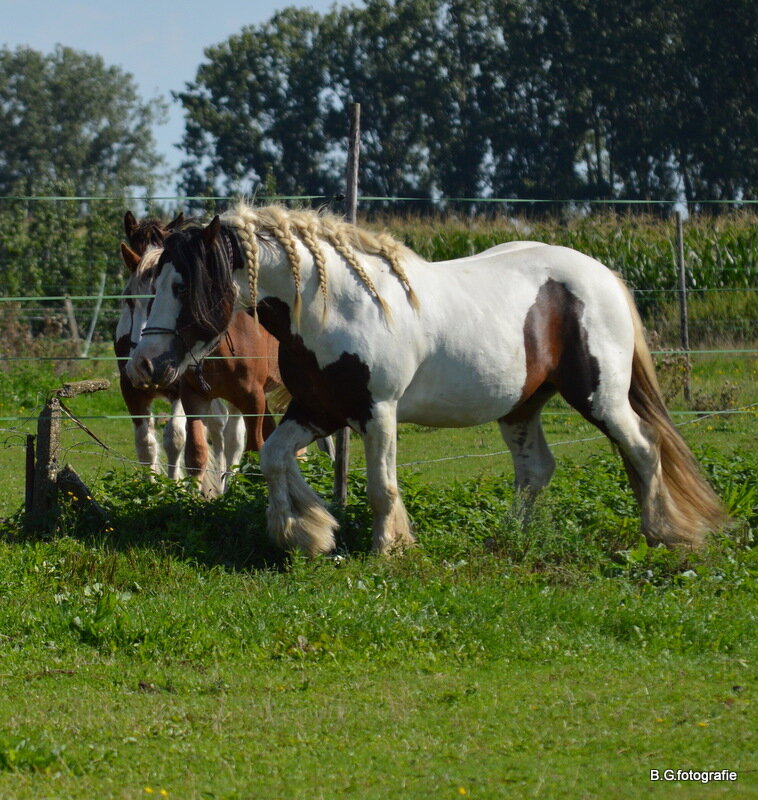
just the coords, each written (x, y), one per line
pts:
(139, 400)
(241, 370)
(371, 335)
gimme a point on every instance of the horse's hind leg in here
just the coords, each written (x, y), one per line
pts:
(391, 528)
(641, 455)
(533, 462)
(611, 411)
(296, 516)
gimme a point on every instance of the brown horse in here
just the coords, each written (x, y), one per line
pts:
(241, 370)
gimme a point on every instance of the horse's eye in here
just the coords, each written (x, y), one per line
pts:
(180, 291)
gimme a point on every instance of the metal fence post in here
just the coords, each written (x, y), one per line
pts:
(684, 332)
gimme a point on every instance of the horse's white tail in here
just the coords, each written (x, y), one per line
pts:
(688, 508)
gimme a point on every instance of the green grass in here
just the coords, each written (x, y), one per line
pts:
(177, 652)
(129, 667)
(718, 381)
(174, 651)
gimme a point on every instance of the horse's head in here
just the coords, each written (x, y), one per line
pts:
(193, 304)
(135, 305)
(148, 232)
(142, 235)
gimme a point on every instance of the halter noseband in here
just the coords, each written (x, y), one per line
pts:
(155, 330)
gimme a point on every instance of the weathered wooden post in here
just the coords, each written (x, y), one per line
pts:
(72, 324)
(44, 478)
(44, 485)
(342, 455)
(684, 331)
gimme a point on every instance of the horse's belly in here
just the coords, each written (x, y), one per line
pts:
(451, 398)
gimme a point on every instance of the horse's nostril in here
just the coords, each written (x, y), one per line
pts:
(146, 367)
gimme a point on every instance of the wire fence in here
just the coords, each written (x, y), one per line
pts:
(738, 331)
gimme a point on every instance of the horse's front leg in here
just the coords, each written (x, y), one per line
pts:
(235, 438)
(296, 515)
(391, 529)
(197, 408)
(139, 402)
(216, 420)
(174, 438)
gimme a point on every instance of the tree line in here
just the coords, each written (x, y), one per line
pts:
(545, 99)
(541, 99)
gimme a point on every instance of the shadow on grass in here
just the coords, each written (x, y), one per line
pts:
(148, 511)
(586, 521)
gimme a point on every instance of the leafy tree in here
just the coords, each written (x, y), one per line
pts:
(714, 100)
(383, 57)
(66, 118)
(256, 110)
(546, 99)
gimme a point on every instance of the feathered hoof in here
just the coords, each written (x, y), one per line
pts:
(311, 532)
(398, 538)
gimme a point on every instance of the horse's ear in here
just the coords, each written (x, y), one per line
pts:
(130, 225)
(176, 222)
(131, 259)
(211, 232)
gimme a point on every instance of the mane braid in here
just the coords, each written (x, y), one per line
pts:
(335, 233)
(307, 229)
(346, 239)
(283, 233)
(390, 252)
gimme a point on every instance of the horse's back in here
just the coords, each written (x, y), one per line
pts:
(482, 319)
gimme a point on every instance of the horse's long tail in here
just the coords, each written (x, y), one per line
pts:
(277, 399)
(687, 508)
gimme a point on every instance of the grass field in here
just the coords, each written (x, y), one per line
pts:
(175, 654)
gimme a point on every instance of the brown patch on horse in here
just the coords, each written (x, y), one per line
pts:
(242, 368)
(557, 354)
(323, 399)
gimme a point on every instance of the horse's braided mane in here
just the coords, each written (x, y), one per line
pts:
(348, 240)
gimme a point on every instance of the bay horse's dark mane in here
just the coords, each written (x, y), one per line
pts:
(148, 232)
(207, 273)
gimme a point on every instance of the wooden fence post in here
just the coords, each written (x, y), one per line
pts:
(44, 477)
(44, 484)
(342, 455)
(684, 332)
(72, 324)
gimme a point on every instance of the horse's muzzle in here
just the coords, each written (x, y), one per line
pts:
(159, 371)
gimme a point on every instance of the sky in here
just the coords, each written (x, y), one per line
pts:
(159, 42)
